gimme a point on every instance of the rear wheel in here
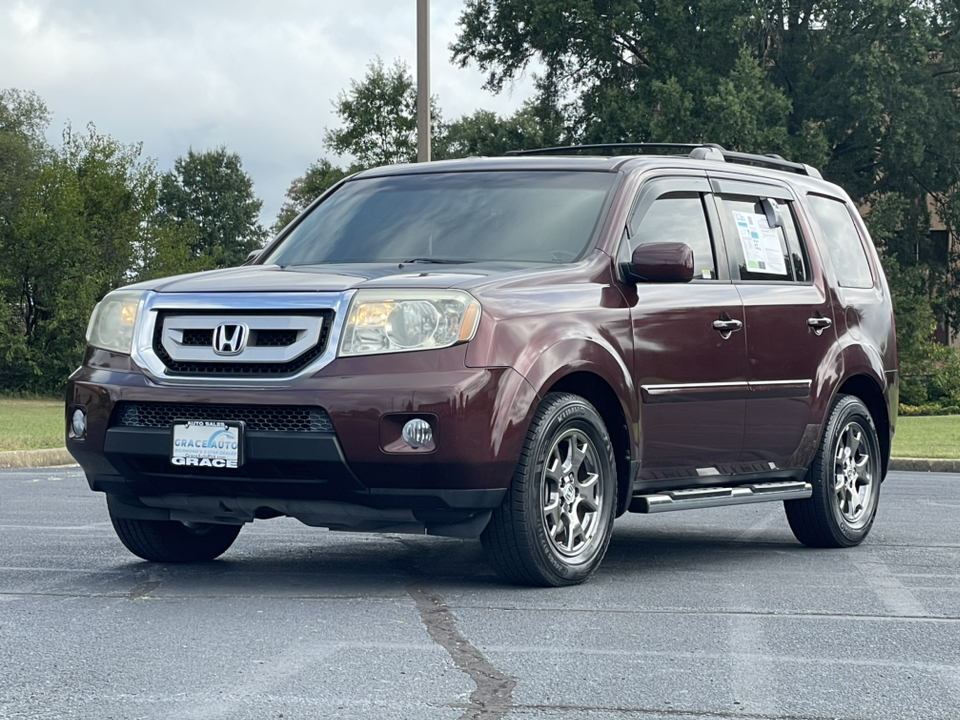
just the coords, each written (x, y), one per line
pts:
(174, 542)
(554, 525)
(845, 475)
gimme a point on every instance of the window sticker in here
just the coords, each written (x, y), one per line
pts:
(761, 244)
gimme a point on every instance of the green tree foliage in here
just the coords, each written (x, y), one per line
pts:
(208, 196)
(486, 133)
(76, 221)
(71, 238)
(379, 117)
(866, 89)
(23, 120)
(319, 177)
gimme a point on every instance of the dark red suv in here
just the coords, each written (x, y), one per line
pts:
(518, 348)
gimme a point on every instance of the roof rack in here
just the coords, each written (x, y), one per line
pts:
(702, 151)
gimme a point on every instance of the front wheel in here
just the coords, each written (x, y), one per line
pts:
(172, 541)
(555, 522)
(846, 475)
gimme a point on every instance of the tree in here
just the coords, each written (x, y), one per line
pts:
(208, 195)
(379, 127)
(23, 120)
(379, 116)
(319, 177)
(486, 133)
(72, 239)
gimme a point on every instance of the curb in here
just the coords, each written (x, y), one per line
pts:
(59, 456)
(36, 458)
(924, 465)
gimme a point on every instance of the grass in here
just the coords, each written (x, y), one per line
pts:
(928, 437)
(30, 424)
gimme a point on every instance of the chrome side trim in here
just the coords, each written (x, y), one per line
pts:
(702, 392)
(695, 392)
(781, 388)
(234, 302)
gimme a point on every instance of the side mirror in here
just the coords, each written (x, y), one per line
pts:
(667, 262)
(252, 255)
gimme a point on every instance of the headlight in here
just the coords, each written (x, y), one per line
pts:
(113, 320)
(387, 321)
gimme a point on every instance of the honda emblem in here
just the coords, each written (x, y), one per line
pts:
(230, 339)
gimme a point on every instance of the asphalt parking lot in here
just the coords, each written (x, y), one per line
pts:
(700, 614)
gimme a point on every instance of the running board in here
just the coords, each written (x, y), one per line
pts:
(692, 498)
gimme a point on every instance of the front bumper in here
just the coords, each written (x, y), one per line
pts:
(480, 418)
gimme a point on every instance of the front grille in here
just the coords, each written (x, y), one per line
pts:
(264, 338)
(274, 338)
(271, 418)
(198, 337)
(261, 338)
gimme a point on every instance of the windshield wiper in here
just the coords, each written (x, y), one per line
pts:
(434, 261)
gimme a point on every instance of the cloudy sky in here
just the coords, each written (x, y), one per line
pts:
(255, 75)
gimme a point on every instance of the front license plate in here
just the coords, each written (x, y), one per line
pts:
(207, 443)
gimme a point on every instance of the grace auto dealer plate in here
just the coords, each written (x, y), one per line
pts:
(207, 443)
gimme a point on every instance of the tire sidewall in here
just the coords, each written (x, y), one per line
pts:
(848, 409)
(567, 414)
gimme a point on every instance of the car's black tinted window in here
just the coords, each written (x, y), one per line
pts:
(466, 216)
(679, 217)
(759, 251)
(843, 242)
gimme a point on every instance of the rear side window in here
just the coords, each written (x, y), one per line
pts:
(678, 217)
(843, 242)
(758, 250)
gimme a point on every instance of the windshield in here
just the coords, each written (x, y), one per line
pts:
(451, 217)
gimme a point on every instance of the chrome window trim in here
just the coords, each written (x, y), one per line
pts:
(153, 302)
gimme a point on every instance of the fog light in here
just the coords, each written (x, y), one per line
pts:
(78, 424)
(417, 433)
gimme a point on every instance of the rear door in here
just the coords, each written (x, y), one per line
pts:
(690, 351)
(790, 331)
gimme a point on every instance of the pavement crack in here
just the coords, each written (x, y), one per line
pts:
(493, 697)
(636, 712)
(142, 590)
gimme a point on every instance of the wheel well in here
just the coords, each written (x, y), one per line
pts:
(870, 394)
(595, 389)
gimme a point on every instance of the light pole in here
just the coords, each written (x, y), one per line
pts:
(423, 80)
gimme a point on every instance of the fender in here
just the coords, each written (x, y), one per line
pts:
(576, 355)
(582, 327)
(585, 354)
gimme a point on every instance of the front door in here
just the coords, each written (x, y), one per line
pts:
(690, 348)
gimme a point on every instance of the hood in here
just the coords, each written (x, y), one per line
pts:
(334, 278)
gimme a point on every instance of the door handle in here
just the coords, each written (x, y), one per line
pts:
(819, 324)
(727, 326)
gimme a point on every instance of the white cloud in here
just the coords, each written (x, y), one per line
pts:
(258, 77)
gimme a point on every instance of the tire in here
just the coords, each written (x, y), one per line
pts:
(174, 542)
(554, 524)
(846, 476)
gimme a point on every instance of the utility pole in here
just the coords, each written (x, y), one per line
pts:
(423, 80)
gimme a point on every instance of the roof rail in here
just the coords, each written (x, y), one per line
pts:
(701, 151)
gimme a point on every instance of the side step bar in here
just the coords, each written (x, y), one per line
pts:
(669, 500)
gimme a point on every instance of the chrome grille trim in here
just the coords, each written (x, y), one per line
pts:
(177, 331)
(232, 305)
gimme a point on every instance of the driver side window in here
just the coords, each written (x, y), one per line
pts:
(677, 217)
